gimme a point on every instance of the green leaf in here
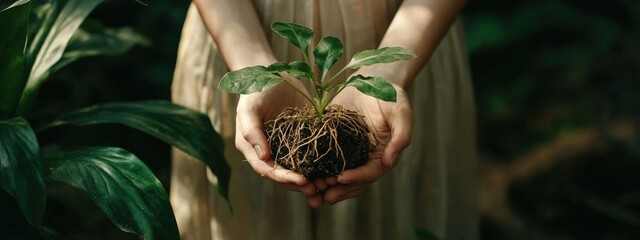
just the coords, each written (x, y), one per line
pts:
(249, 80)
(42, 16)
(14, 21)
(382, 55)
(57, 23)
(299, 36)
(21, 169)
(184, 128)
(374, 86)
(106, 42)
(47, 47)
(121, 185)
(327, 53)
(6, 5)
(296, 69)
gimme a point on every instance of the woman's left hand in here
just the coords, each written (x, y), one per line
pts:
(391, 122)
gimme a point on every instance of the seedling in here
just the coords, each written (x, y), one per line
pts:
(312, 140)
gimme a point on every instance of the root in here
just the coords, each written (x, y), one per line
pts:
(298, 132)
(267, 172)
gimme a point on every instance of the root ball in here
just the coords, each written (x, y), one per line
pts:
(319, 148)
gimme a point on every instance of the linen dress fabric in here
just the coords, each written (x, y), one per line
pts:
(432, 187)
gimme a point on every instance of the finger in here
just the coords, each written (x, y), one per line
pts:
(278, 174)
(340, 192)
(268, 169)
(252, 130)
(333, 180)
(320, 184)
(308, 190)
(316, 200)
(401, 125)
(352, 194)
(367, 173)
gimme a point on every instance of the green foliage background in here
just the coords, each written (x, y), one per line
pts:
(546, 75)
(546, 67)
(100, 80)
(541, 69)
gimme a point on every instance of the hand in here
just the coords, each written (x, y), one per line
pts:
(391, 122)
(255, 109)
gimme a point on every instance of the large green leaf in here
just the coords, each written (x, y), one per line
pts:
(299, 36)
(374, 86)
(105, 42)
(57, 22)
(327, 53)
(249, 80)
(50, 42)
(296, 69)
(43, 15)
(14, 22)
(184, 128)
(8, 4)
(382, 55)
(21, 169)
(121, 185)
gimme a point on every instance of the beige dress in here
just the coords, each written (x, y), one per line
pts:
(432, 187)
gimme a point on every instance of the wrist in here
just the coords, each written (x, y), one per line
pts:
(264, 59)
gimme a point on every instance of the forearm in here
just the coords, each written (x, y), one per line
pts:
(236, 29)
(419, 25)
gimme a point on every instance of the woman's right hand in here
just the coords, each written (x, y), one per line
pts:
(255, 109)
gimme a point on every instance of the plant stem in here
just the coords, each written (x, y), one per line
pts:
(323, 100)
(320, 91)
(335, 76)
(299, 91)
(324, 103)
(306, 60)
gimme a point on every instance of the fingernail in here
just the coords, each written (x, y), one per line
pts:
(258, 150)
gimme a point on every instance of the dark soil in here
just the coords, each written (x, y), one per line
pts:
(322, 147)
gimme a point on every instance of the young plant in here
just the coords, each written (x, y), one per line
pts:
(310, 140)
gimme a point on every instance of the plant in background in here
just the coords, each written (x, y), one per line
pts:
(42, 37)
(312, 140)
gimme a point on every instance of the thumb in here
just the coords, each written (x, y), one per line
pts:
(401, 125)
(252, 131)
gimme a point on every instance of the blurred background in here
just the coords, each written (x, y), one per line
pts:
(556, 86)
(556, 89)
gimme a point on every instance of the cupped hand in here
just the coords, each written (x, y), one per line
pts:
(391, 122)
(252, 111)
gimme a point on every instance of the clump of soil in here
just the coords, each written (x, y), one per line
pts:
(319, 148)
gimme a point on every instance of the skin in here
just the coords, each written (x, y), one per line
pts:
(233, 24)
